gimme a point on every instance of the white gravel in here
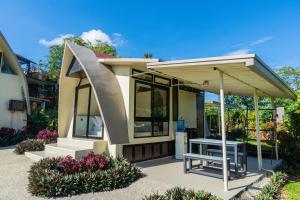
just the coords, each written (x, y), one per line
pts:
(13, 182)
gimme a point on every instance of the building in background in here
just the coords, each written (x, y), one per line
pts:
(42, 92)
(14, 94)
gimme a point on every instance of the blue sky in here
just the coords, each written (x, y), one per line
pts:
(167, 29)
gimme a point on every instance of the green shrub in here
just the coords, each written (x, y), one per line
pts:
(41, 119)
(236, 133)
(271, 191)
(9, 136)
(46, 179)
(29, 145)
(178, 193)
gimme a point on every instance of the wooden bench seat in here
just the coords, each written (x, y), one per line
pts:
(189, 157)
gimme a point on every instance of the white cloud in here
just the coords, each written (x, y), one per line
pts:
(117, 39)
(239, 52)
(247, 47)
(56, 41)
(261, 41)
(93, 36)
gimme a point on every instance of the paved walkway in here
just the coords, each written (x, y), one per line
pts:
(13, 182)
(160, 174)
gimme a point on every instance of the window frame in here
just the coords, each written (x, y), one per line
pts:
(152, 118)
(1, 55)
(77, 88)
(142, 79)
(154, 79)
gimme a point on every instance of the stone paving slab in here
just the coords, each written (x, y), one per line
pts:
(160, 175)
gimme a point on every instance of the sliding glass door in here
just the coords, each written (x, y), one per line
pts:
(87, 119)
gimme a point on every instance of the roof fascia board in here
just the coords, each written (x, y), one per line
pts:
(266, 73)
(204, 61)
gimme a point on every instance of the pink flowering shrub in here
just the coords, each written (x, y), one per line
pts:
(47, 135)
(93, 162)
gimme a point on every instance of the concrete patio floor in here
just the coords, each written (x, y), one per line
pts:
(160, 175)
(170, 171)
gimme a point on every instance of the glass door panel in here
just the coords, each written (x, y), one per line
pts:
(88, 121)
(95, 123)
(81, 111)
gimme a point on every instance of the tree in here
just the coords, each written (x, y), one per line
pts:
(55, 54)
(148, 55)
(291, 75)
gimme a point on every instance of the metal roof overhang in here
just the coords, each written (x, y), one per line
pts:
(242, 74)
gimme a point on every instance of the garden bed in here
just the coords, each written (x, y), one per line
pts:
(292, 189)
(52, 177)
(44, 136)
(10, 136)
(178, 193)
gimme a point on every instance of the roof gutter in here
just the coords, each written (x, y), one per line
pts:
(260, 68)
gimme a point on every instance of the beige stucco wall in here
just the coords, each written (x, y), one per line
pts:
(188, 108)
(127, 85)
(67, 87)
(11, 88)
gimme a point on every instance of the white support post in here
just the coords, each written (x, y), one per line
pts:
(224, 150)
(275, 127)
(219, 117)
(259, 156)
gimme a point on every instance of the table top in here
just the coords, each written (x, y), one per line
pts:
(214, 141)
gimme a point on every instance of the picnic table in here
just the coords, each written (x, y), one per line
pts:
(236, 145)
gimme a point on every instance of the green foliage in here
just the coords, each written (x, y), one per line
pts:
(242, 102)
(41, 119)
(291, 75)
(29, 145)
(236, 133)
(55, 54)
(54, 59)
(290, 140)
(148, 55)
(45, 178)
(271, 191)
(178, 193)
(13, 138)
(101, 47)
(291, 190)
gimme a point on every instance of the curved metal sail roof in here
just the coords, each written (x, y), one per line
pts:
(107, 92)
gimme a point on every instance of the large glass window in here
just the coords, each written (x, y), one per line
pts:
(143, 100)
(4, 66)
(151, 110)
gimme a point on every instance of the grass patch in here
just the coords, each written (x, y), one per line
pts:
(272, 190)
(292, 189)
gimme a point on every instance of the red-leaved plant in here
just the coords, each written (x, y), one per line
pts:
(68, 165)
(7, 132)
(47, 135)
(93, 162)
